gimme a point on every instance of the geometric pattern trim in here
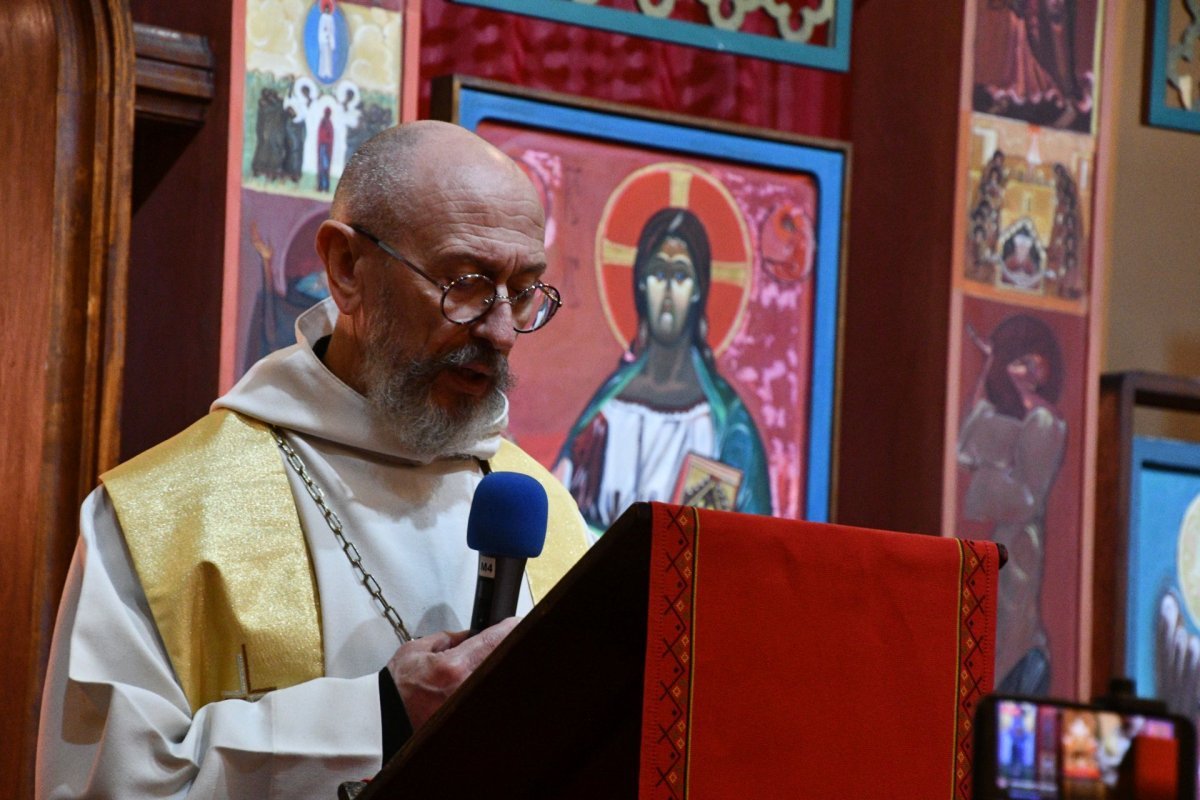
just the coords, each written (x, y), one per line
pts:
(810, 33)
(979, 565)
(667, 693)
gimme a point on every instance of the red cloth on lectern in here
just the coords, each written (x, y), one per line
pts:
(795, 659)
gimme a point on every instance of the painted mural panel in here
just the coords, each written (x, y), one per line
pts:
(678, 368)
(1029, 212)
(1162, 607)
(1020, 462)
(1035, 60)
(321, 77)
(1024, 290)
(281, 275)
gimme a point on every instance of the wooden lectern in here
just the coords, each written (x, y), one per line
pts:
(704, 654)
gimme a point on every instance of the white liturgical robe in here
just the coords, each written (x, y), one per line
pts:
(115, 720)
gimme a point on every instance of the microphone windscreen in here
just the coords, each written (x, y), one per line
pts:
(508, 516)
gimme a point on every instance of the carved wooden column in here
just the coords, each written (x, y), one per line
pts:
(67, 135)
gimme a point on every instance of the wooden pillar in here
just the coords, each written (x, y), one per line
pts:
(67, 137)
(904, 130)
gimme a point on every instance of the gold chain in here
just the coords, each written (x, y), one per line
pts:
(335, 525)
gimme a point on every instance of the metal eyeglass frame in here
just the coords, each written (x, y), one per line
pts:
(549, 291)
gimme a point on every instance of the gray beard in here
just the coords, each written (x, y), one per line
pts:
(398, 389)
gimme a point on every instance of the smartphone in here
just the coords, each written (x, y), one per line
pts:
(1036, 749)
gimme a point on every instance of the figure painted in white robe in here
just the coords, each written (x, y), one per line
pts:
(326, 41)
(667, 398)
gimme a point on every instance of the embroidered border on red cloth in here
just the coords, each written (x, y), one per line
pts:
(667, 693)
(976, 651)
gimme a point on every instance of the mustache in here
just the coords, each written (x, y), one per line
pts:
(476, 353)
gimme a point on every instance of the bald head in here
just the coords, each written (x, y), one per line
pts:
(390, 177)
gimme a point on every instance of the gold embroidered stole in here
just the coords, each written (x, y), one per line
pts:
(215, 538)
(216, 541)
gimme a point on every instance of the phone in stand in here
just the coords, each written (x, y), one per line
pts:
(1035, 748)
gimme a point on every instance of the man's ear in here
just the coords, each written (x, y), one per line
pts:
(335, 246)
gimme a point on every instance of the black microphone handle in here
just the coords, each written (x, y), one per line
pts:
(497, 590)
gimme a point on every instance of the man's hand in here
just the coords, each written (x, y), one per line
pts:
(426, 671)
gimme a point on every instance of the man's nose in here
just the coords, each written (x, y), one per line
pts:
(496, 326)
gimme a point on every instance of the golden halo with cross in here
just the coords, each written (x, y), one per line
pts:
(673, 185)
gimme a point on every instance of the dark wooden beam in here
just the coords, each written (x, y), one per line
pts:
(174, 74)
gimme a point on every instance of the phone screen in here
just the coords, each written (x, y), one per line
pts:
(1047, 749)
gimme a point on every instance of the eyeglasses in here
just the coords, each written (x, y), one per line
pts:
(469, 298)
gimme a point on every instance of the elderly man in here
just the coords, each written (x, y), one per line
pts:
(239, 617)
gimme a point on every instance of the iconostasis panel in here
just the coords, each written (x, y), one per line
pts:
(1025, 290)
(1037, 62)
(1161, 608)
(694, 358)
(318, 79)
(1019, 451)
(1029, 212)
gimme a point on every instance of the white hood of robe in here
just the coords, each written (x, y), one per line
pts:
(291, 388)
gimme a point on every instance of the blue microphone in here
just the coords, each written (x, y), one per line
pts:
(507, 525)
